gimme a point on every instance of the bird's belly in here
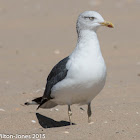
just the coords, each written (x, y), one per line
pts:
(77, 94)
(79, 90)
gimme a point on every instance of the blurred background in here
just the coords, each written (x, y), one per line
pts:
(36, 34)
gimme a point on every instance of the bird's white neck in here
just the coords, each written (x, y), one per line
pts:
(87, 44)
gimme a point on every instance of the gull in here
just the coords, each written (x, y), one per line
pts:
(78, 78)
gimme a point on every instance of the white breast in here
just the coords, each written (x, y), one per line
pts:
(85, 79)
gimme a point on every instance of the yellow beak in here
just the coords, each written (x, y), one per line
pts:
(108, 24)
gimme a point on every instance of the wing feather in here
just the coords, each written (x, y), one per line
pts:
(57, 74)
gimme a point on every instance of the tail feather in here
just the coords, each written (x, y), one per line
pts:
(42, 103)
(31, 103)
(36, 101)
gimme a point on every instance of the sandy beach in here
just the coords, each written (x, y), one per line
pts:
(34, 36)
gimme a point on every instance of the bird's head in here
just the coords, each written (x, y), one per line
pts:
(91, 20)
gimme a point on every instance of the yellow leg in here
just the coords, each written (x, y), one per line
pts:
(69, 114)
(89, 113)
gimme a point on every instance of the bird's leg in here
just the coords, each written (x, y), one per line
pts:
(89, 112)
(69, 114)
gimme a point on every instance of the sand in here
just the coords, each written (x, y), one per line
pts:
(35, 35)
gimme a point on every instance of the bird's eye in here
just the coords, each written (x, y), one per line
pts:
(91, 18)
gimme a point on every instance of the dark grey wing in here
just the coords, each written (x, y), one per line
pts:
(58, 73)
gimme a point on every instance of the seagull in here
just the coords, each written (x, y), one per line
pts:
(78, 78)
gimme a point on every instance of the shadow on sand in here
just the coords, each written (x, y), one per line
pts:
(46, 122)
